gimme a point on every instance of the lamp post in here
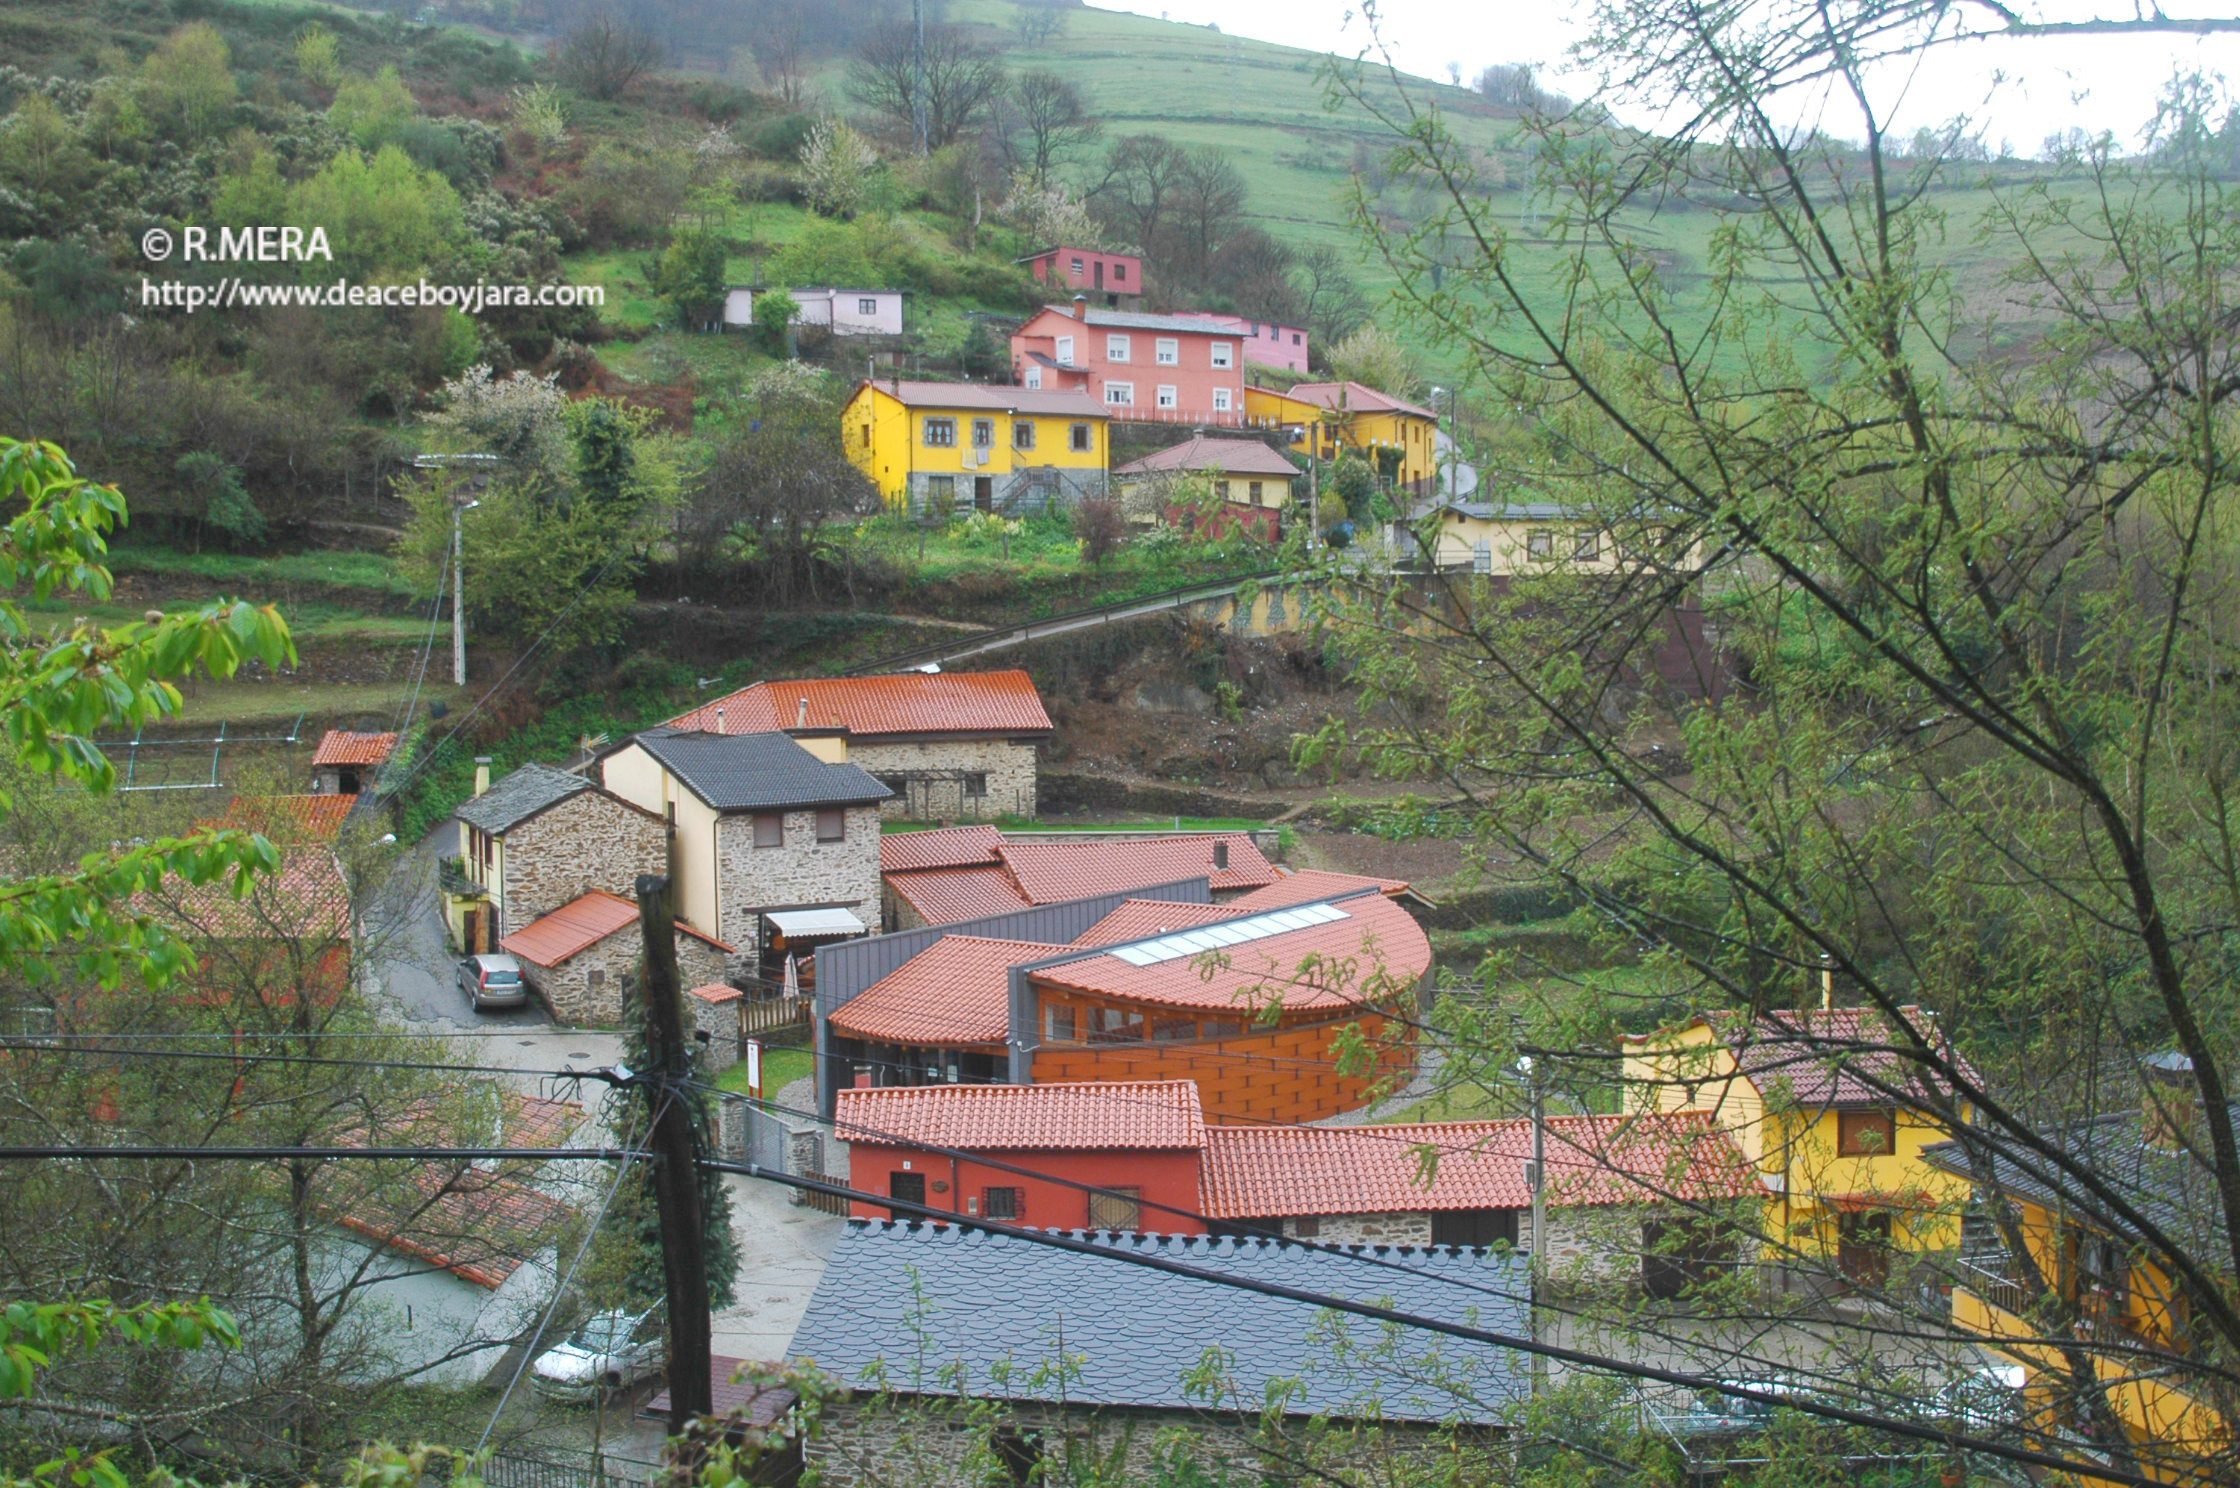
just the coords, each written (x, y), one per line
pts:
(459, 594)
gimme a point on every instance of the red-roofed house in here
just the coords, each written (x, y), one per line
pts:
(1401, 438)
(345, 762)
(1833, 1109)
(1249, 1006)
(1114, 280)
(290, 934)
(948, 744)
(1138, 1143)
(1658, 1197)
(994, 874)
(578, 956)
(303, 818)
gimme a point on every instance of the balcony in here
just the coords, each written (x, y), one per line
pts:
(1988, 1277)
(451, 877)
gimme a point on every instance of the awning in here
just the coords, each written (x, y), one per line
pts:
(814, 924)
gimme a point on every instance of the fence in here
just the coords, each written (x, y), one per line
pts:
(557, 1468)
(823, 1203)
(761, 1017)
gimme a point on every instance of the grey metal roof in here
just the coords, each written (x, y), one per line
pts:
(519, 796)
(757, 772)
(922, 1298)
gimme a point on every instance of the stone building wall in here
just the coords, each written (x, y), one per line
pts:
(802, 872)
(923, 778)
(714, 1011)
(586, 989)
(1365, 1229)
(589, 841)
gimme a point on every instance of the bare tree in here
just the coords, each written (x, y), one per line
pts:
(1330, 301)
(1044, 121)
(781, 51)
(606, 52)
(1201, 215)
(962, 80)
(1253, 272)
(1039, 22)
(1516, 85)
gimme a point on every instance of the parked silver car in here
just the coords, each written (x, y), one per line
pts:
(493, 982)
(610, 1350)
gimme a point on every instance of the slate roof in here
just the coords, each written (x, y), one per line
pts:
(1254, 1172)
(992, 398)
(518, 795)
(1048, 872)
(580, 924)
(955, 991)
(1146, 1115)
(943, 847)
(944, 896)
(1141, 919)
(343, 747)
(1374, 951)
(1823, 1057)
(1359, 398)
(900, 704)
(922, 1299)
(757, 771)
(1230, 456)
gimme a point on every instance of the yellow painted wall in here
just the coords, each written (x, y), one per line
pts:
(639, 778)
(1510, 541)
(1356, 429)
(885, 440)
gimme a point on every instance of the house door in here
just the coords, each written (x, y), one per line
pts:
(1100, 273)
(1474, 1228)
(908, 1187)
(983, 493)
(1863, 1247)
(470, 932)
(1677, 1254)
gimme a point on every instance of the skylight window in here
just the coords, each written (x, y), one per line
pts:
(1234, 932)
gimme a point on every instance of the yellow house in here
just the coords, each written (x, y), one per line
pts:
(2085, 1282)
(964, 446)
(1496, 538)
(1334, 416)
(1829, 1117)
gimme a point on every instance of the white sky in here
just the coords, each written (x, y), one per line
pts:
(2021, 90)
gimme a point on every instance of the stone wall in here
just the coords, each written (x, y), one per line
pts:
(802, 872)
(586, 990)
(1014, 493)
(589, 841)
(1365, 1229)
(924, 779)
(714, 1011)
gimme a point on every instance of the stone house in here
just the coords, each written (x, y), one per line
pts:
(945, 744)
(774, 849)
(579, 956)
(540, 838)
(345, 763)
(957, 1387)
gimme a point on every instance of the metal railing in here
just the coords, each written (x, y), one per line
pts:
(1988, 1278)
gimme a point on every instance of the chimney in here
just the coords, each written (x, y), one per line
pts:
(2170, 1100)
(719, 718)
(1221, 855)
(481, 773)
(801, 714)
(1080, 307)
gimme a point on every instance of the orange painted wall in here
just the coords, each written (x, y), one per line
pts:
(1278, 1074)
(1169, 1178)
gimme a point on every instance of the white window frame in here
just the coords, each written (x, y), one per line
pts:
(1065, 351)
(1034, 375)
(1166, 397)
(1167, 351)
(1117, 348)
(1076, 270)
(1120, 394)
(1222, 400)
(1224, 353)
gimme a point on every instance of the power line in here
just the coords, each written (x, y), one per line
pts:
(1951, 1441)
(325, 1154)
(40, 1045)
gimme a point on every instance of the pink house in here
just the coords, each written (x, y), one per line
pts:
(1180, 369)
(1267, 343)
(1115, 278)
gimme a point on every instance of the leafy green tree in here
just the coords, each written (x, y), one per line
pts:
(692, 275)
(774, 312)
(217, 501)
(187, 82)
(606, 462)
(373, 111)
(318, 56)
(384, 216)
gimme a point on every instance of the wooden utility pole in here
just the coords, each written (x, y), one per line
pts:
(676, 1155)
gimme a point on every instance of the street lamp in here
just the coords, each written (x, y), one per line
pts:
(459, 595)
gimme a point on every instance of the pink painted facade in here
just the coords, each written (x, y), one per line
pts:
(1146, 368)
(1112, 280)
(1267, 343)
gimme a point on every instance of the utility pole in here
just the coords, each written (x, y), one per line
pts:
(676, 1156)
(918, 75)
(459, 509)
(1537, 1179)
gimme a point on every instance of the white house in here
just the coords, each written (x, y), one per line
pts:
(846, 312)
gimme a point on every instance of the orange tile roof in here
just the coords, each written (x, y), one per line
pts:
(479, 1227)
(1052, 871)
(307, 899)
(1375, 953)
(1153, 1115)
(302, 818)
(943, 896)
(903, 704)
(342, 747)
(943, 847)
(1308, 884)
(1260, 1171)
(577, 926)
(1356, 397)
(955, 991)
(1140, 919)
